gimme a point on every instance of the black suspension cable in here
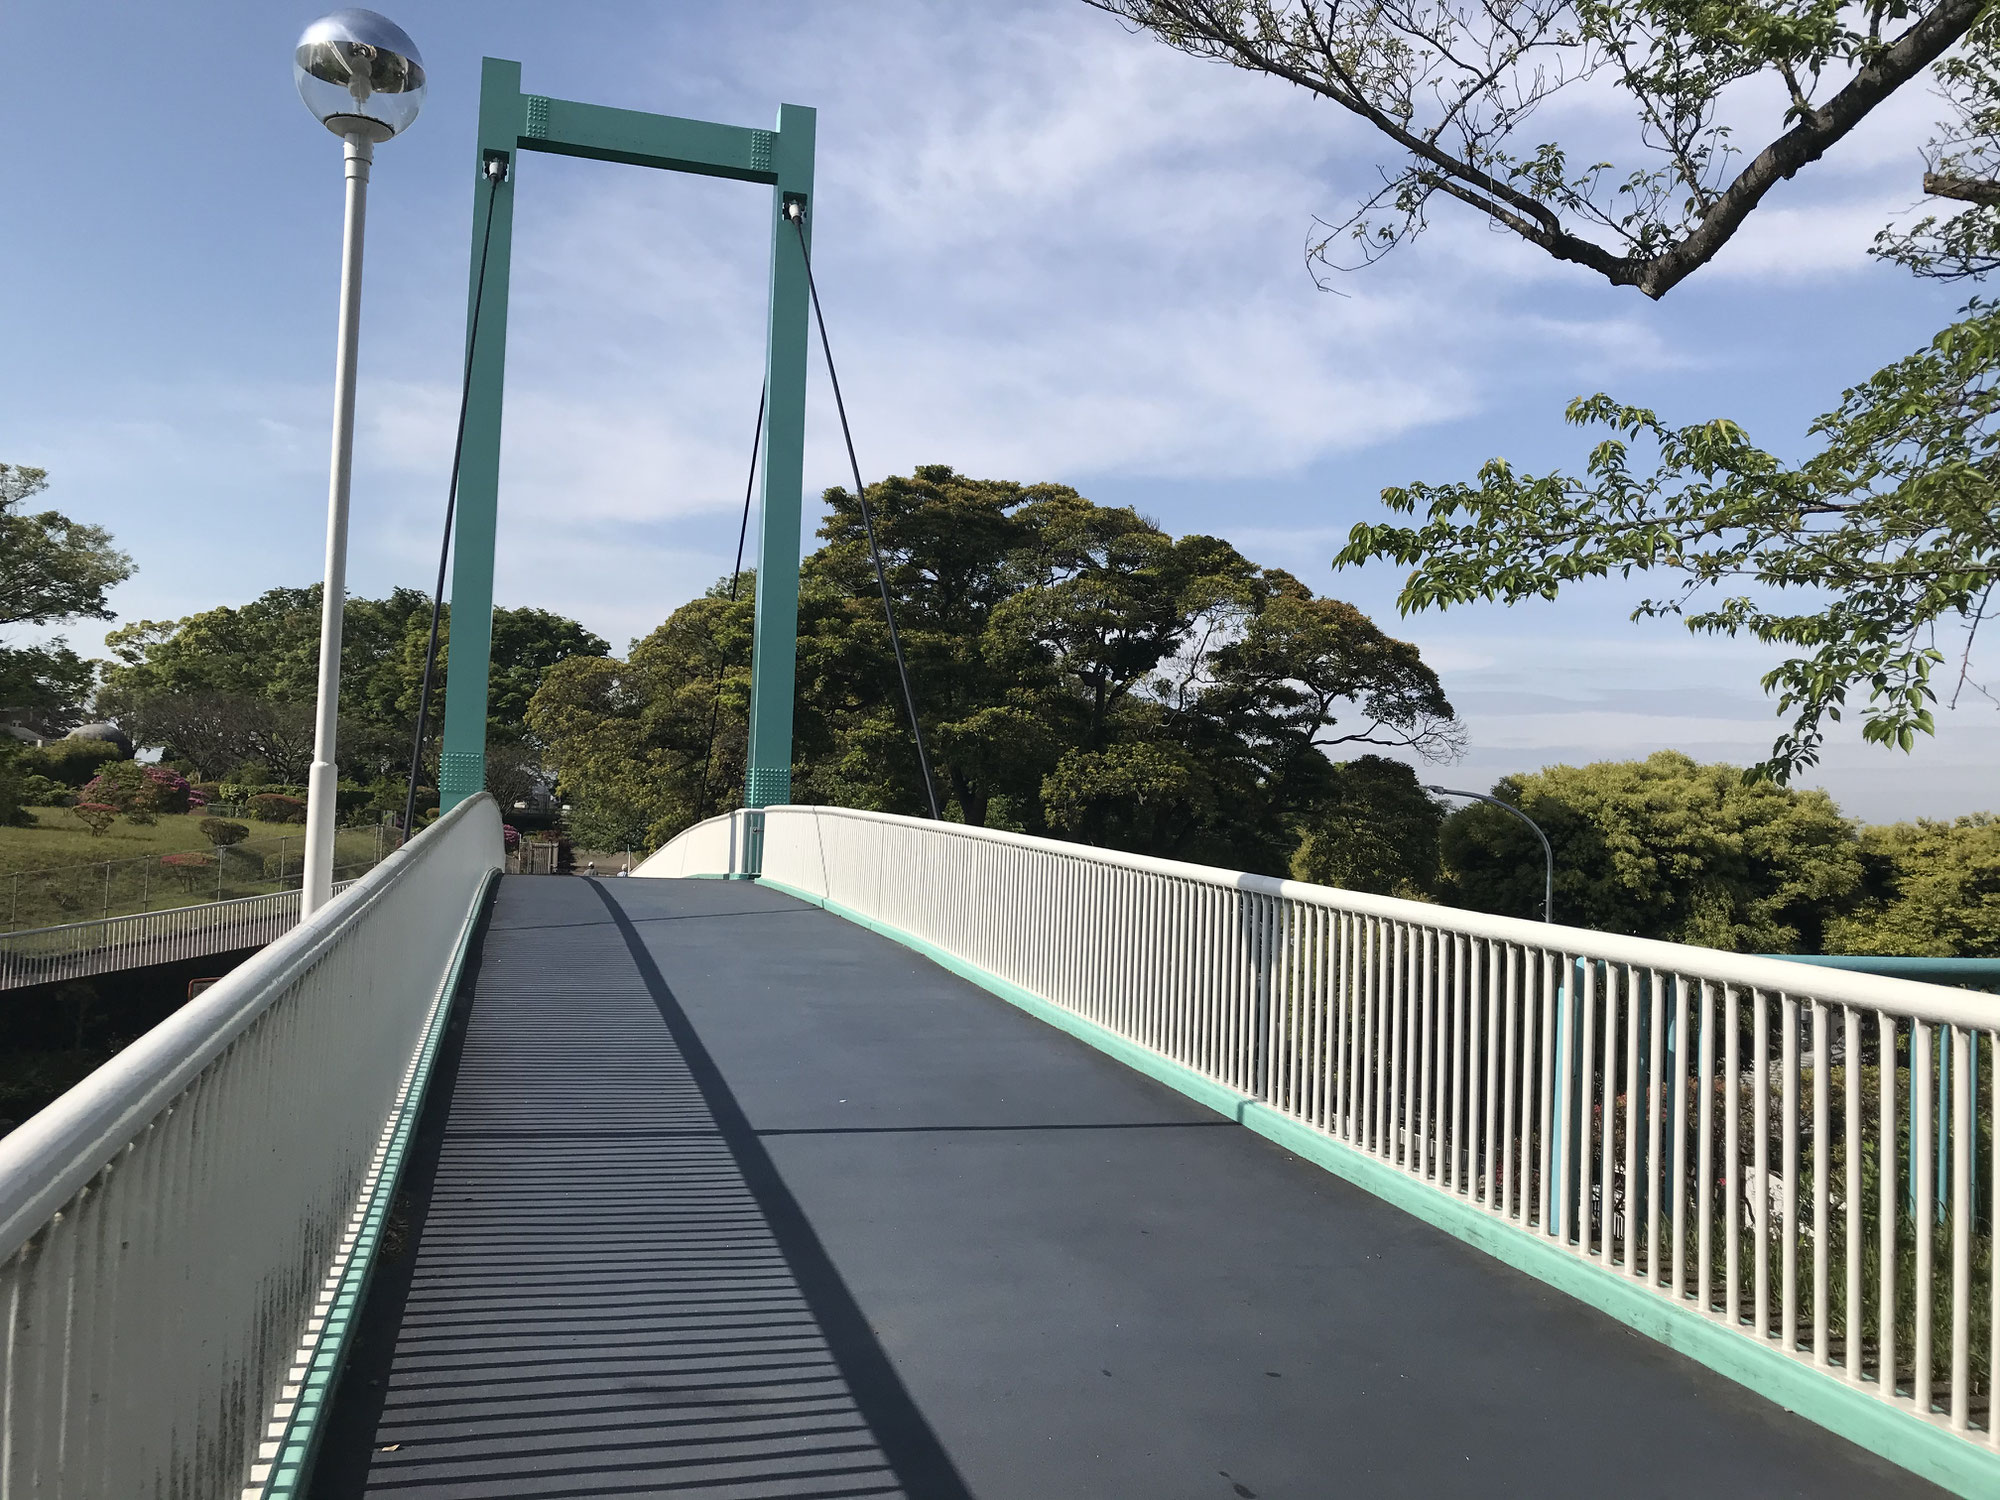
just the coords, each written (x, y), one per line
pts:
(795, 211)
(742, 535)
(496, 172)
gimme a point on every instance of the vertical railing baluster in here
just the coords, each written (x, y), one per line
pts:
(1656, 1168)
(1632, 1098)
(1343, 984)
(1607, 1119)
(1465, 1066)
(1514, 1131)
(1920, 1145)
(1788, 1295)
(1886, 1157)
(1398, 996)
(1822, 1186)
(1581, 1080)
(1961, 1227)
(1428, 963)
(1993, 1230)
(1704, 1262)
(1851, 1322)
(1760, 1170)
(1545, 1087)
(1732, 1154)
(1498, 1062)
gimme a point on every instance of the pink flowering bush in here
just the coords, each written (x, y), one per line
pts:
(124, 785)
(175, 795)
(510, 837)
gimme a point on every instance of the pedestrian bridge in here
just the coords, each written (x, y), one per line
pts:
(925, 1161)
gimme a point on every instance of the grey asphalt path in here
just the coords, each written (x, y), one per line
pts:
(719, 1195)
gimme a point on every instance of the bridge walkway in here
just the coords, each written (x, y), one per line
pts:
(719, 1195)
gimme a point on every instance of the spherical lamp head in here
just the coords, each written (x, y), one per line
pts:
(360, 74)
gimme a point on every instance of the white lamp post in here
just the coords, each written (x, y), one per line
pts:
(360, 75)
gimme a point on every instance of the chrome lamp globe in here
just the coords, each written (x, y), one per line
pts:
(359, 73)
(361, 76)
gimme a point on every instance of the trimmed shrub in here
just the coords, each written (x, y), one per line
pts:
(275, 807)
(242, 791)
(96, 816)
(71, 762)
(510, 837)
(40, 791)
(222, 832)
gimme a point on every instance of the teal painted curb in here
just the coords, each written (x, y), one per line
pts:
(1961, 1465)
(292, 1468)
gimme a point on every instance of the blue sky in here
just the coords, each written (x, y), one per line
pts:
(1049, 250)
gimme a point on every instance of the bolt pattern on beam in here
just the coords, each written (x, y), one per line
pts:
(767, 786)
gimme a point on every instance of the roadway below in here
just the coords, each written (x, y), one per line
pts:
(719, 1195)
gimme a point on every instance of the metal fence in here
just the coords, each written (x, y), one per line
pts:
(32, 899)
(173, 1228)
(1747, 1138)
(44, 955)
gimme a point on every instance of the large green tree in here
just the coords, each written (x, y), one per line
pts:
(1929, 888)
(1077, 670)
(1376, 830)
(1722, 101)
(1661, 848)
(52, 568)
(237, 684)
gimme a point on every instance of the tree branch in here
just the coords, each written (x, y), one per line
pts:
(1981, 190)
(1217, 32)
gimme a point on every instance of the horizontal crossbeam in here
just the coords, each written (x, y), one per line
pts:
(564, 127)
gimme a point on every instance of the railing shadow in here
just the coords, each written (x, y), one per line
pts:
(622, 1301)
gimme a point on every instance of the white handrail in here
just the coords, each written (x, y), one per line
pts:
(166, 1225)
(714, 846)
(44, 955)
(1904, 997)
(1709, 1127)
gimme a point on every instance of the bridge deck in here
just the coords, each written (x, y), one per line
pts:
(721, 1195)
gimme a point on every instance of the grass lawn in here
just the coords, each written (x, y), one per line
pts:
(57, 839)
(58, 871)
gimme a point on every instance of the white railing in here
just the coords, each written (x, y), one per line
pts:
(43, 955)
(170, 1228)
(1708, 1126)
(719, 846)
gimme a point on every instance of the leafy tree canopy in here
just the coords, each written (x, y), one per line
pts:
(237, 684)
(1455, 91)
(1376, 830)
(1931, 889)
(1078, 670)
(1660, 848)
(51, 569)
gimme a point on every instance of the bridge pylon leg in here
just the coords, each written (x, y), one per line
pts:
(462, 763)
(768, 777)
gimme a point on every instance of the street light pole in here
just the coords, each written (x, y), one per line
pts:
(322, 784)
(360, 75)
(1548, 854)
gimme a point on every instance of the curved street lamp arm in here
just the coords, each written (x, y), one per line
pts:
(1548, 852)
